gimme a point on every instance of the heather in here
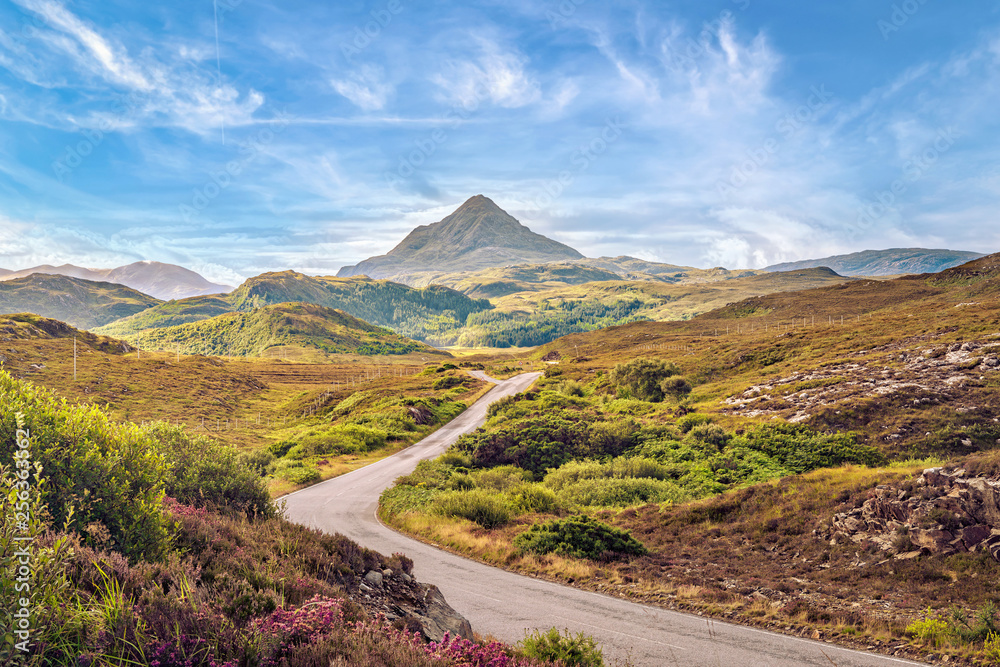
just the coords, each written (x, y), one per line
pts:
(157, 547)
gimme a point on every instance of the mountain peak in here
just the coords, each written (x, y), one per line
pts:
(478, 235)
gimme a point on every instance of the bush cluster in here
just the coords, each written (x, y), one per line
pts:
(579, 537)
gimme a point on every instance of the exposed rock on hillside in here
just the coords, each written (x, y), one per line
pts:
(918, 366)
(417, 606)
(944, 512)
(478, 235)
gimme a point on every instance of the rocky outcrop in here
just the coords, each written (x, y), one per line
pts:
(398, 597)
(943, 513)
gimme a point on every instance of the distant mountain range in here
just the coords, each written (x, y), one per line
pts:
(163, 281)
(479, 235)
(893, 261)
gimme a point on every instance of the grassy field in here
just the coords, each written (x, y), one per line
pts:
(765, 419)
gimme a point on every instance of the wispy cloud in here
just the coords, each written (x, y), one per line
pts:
(491, 74)
(366, 88)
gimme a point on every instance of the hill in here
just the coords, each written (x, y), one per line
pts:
(163, 281)
(285, 325)
(28, 326)
(425, 314)
(894, 261)
(812, 461)
(478, 235)
(502, 281)
(83, 303)
(535, 318)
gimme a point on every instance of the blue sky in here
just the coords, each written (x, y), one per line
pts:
(246, 136)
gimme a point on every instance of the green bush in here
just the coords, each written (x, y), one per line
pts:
(297, 472)
(627, 492)
(98, 471)
(801, 449)
(570, 388)
(447, 382)
(641, 378)
(675, 387)
(489, 510)
(579, 537)
(688, 422)
(279, 449)
(203, 473)
(570, 650)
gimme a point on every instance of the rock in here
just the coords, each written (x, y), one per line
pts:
(374, 578)
(973, 535)
(405, 577)
(435, 616)
(386, 572)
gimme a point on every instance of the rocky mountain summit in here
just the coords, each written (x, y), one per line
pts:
(478, 235)
(943, 512)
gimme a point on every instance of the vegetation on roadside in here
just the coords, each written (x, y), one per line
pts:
(153, 546)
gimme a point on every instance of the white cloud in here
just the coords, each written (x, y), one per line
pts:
(492, 75)
(366, 88)
(175, 87)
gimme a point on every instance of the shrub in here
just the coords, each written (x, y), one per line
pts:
(98, 471)
(931, 632)
(801, 449)
(570, 388)
(489, 510)
(447, 382)
(675, 387)
(626, 492)
(279, 449)
(688, 422)
(204, 473)
(579, 537)
(297, 472)
(641, 378)
(572, 650)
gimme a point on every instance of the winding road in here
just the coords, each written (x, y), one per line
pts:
(505, 605)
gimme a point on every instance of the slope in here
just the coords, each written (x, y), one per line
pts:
(894, 261)
(502, 281)
(82, 303)
(478, 235)
(163, 281)
(285, 325)
(535, 318)
(425, 314)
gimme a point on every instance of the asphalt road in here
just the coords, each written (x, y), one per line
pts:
(505, 605)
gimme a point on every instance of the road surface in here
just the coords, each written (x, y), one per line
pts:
(505, 605)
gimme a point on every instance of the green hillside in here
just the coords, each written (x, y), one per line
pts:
(82, 303)
(535, 318)
(431, 314)
(255, 331)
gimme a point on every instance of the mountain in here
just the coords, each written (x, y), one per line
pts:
(163, 281)
(426, 314)
(301, 325)
(894, 261)
(478, 235)
(82, 303)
